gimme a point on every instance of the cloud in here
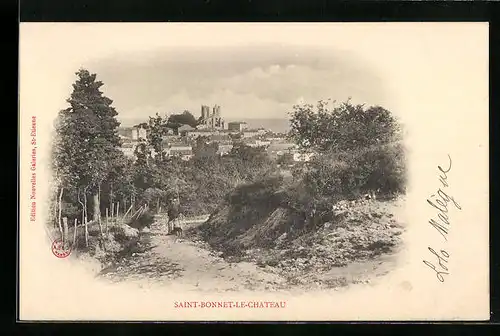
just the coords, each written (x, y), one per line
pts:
(264, 86)
(274, 69)
(284, 84)
(248, 105)
(234, 105)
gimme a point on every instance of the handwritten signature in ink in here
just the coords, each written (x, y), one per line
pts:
(442, 202)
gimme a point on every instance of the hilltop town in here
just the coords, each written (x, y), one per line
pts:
(213, 128)
(296, 205)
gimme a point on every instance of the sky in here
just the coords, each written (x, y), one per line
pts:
(250, 70)
(253, 70)
(258, 81)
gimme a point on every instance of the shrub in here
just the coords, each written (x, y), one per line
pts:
(342, 127)
(70, 210)
(346, 175)
(255, 193)
(142, 221)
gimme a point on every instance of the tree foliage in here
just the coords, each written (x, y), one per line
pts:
(185, 118)
(204, 148)
(360, 150)
(86, 146)
(342, 127)
(155, 136)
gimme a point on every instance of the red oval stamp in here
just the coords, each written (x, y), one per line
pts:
(60, 249)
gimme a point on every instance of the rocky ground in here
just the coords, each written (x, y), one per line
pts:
(187, 261)
(359, 248)
(363, 243)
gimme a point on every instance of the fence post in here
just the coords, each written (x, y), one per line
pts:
(65, 226)
(126, 213)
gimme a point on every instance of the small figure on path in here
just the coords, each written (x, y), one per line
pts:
(174, 214)
(177, 231)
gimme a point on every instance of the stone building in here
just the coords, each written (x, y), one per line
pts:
(182, 151)
(139, 132)
(211, 119)
(237, 126)
(249, 133)
(224, 149)
(184, 130)
(193, 134)
(128, 148)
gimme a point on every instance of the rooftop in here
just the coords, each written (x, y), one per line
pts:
(186, 128)
(175, 142)
(128, 145)
(281, 146)
(180, 147)
(203, 130)
(181, 152)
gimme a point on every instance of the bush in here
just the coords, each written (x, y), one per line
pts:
(210, 179)
(142, 221)
(70, 210)
(347, 175)
(257, 192)
(342, 127)
(359, 151)
(123, 233)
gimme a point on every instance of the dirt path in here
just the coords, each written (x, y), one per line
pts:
(189, 263)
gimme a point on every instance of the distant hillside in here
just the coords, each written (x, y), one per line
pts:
(280, 125)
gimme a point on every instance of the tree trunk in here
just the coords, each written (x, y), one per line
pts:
(74, 233)
(83, 206)
(111, 196)
(158, 205)
(112, 211)
(117, 209)
(86, 233)
(65, 235)
(86, 218)
(99, 210)
(106, 220)
(55, 212)
(85, 214)
(60, 211)
(103, 242)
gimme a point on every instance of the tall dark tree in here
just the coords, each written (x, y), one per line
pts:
(155, 137)
(142, 170)
(87, 142)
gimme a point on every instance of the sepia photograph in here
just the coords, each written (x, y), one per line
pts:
(253, 171)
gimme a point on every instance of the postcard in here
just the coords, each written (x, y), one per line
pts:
(253, 172)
